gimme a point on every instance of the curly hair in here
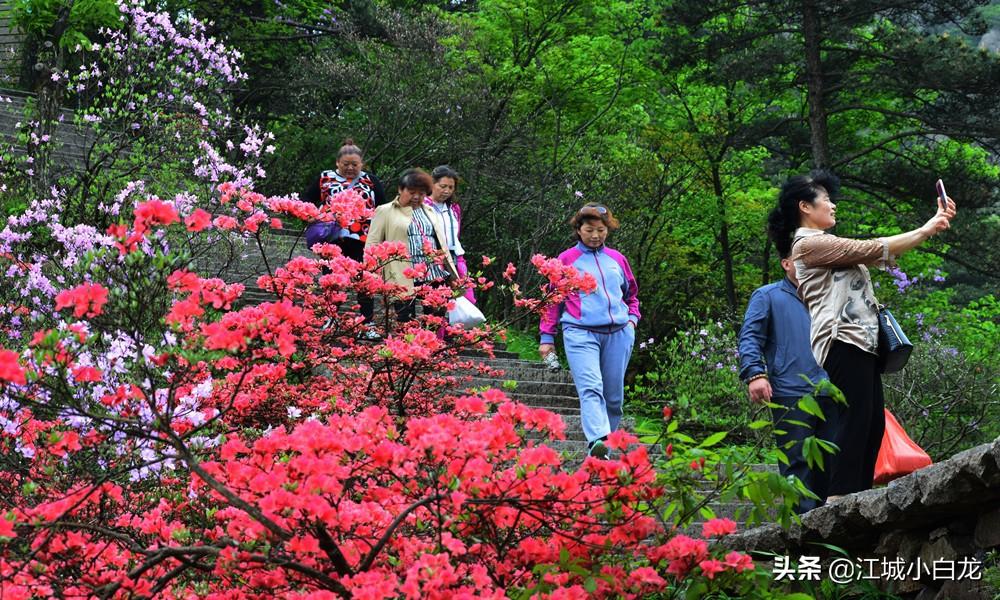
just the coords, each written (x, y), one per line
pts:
(593, 211)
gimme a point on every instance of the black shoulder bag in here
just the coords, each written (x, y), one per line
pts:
(894, 347)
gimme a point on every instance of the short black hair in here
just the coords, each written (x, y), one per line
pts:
(416, 179)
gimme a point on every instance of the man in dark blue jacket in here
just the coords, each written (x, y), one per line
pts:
(774, 355)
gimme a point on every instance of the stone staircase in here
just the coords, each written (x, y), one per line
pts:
(244, 263)
(71, 144)
(10, 47)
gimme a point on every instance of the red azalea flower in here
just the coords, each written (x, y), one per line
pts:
(718, 527)
(86, 299)
(711, 568)
(10, 369)
(198, 220)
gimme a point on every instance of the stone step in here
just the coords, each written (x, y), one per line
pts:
(496, 353)
(540, 388)
(561, 410)
(575, 450)
(574, 453)
(540, 400)
(516, 363)
(529, 374)
(574, 430)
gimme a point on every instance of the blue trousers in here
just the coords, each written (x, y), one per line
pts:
(598, 362)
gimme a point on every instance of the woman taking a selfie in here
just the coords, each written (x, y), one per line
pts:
(598, 328)
(835, 285)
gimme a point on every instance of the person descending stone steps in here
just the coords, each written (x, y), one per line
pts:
(598, 328)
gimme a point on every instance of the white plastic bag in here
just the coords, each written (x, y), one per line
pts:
(465, 314)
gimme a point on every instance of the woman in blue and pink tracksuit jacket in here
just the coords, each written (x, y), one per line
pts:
(598, 328)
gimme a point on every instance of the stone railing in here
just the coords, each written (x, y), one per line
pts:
(941, 517)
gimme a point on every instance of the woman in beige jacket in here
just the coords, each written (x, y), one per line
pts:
(406, 220)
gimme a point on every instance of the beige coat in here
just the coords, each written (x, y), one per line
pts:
(836, 287)
(390, 223)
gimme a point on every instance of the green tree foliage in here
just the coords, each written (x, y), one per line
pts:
(884, 95)
(274, 37)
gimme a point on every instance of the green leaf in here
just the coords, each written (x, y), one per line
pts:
(809, 405)
(713, 439)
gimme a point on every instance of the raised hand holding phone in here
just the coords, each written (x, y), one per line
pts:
(946, 210)
(942, 195)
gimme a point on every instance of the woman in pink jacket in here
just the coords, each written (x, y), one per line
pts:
(598, 328)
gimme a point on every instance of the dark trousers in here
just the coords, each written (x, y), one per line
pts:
(355, 250)
(792, 427)
(860, 424)
(407, 310)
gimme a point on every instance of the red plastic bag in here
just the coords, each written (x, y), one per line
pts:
(899, 455)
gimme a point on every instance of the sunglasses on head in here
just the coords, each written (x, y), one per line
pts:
(598, 208)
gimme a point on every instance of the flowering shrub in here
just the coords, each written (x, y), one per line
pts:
(158, 440)
(945, 397)
(153, 111)
(696, 373)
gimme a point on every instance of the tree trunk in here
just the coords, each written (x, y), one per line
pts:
(727, 251)
(51, 59)
(811, 35)
(27, 75)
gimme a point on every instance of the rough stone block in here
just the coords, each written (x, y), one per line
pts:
(987, 533)
(910, 546)
(890, 544)
(821, 521)
(878, 510)
(767, 538)
(965, 590)
(904, 493)
(948, 484)
(946, 547)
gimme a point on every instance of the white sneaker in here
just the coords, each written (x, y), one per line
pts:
(599, 450)
(370, 335)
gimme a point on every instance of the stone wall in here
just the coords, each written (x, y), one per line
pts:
(948, 512)
(10, 48)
